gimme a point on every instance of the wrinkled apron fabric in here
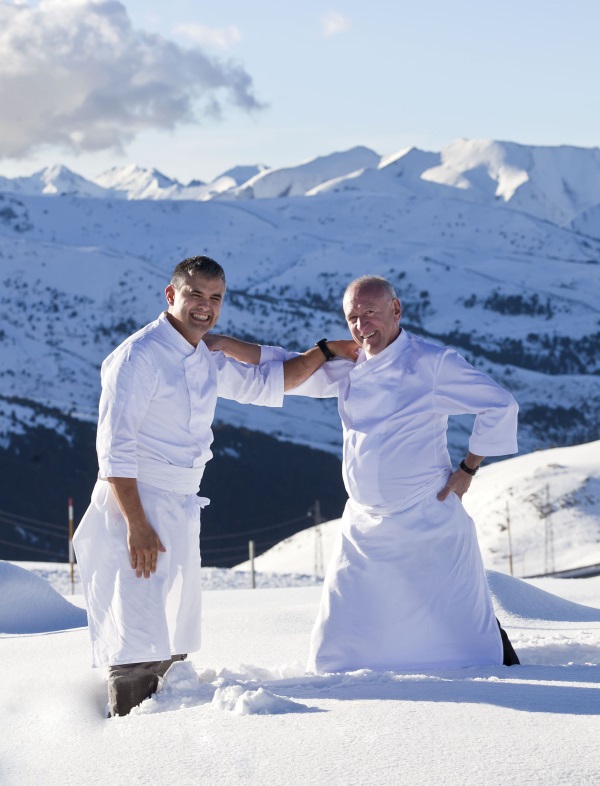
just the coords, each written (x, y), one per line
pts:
(133, 620)
(405, 589)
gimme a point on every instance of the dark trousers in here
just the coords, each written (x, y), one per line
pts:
(510, 656)
(130, 683)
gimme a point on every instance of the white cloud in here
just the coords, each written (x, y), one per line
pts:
(76, 74)
(333, 23)
(217, 38)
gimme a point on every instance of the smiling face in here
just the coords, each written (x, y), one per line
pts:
(372, 316)
(195, 306)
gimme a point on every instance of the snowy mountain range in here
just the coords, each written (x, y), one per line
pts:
(557, 184)
(494, 248)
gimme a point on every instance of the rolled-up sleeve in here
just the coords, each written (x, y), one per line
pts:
(269, 354)
(324, 383)
(261, 385)
(128, 383)
(462, 389)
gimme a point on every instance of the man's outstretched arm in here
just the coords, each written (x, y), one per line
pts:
(296, 369)
(234, 348)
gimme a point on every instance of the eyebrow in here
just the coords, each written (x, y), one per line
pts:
(200, 292)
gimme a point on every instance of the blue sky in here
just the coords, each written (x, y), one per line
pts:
(385, 74)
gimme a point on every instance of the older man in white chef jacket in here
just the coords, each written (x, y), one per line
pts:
(405, 587)
(138, 543)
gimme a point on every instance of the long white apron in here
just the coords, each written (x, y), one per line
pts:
(405, 590)
(136, 619)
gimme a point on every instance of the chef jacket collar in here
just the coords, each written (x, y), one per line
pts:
(391, 351)
(178, 341)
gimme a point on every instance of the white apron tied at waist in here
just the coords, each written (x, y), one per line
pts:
(168, 477)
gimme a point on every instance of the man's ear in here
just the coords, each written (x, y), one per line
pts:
(170, 294)
(397, 309)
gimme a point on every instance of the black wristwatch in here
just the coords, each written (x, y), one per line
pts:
(322, 344)
(468, 470)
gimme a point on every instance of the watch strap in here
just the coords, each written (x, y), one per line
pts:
(322, 344)
(468, 470)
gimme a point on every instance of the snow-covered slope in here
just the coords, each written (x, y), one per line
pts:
(135, 182)
(30, 605)
(553, 183)
(54, 180)
(551, 499)
(517, 295)
(241, 174)
(297, 180)
(396, 174)
(556, 184)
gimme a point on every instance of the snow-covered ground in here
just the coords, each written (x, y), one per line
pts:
(243, 710)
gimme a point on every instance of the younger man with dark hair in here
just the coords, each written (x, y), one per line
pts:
(159, 392)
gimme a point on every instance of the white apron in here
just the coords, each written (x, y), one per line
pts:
(136, 619)
(405, 590)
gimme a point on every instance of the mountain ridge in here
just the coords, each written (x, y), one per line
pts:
(560, 183)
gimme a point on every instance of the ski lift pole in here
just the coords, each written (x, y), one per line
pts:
(71, 551)
(510, 551)
(318, 572)
(251, 555)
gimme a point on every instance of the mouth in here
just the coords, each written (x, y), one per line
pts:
(367, 336)
(201, 318)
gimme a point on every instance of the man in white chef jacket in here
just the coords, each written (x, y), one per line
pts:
(138, 543)
(405, 587)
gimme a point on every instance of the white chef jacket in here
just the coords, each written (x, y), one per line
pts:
(159, 395)
(405, 587)
(156, 409)
(394, 408)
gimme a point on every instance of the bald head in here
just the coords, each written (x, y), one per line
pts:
(375, 282)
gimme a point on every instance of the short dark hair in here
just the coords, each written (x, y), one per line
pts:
(192, 265)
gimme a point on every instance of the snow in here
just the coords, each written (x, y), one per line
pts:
(558, 184)
(244, 711)
(552, 183)
(31, 605)
(55, 180)
(298, 180)
(137, 183)
(551, 495)
(240, 174)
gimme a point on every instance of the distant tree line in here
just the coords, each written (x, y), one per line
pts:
(549, 354)
(514, 305)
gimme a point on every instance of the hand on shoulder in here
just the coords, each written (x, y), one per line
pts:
(344, 348)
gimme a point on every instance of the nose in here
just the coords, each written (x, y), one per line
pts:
(361, 322)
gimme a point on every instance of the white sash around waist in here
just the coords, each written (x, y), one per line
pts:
(168, 477)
